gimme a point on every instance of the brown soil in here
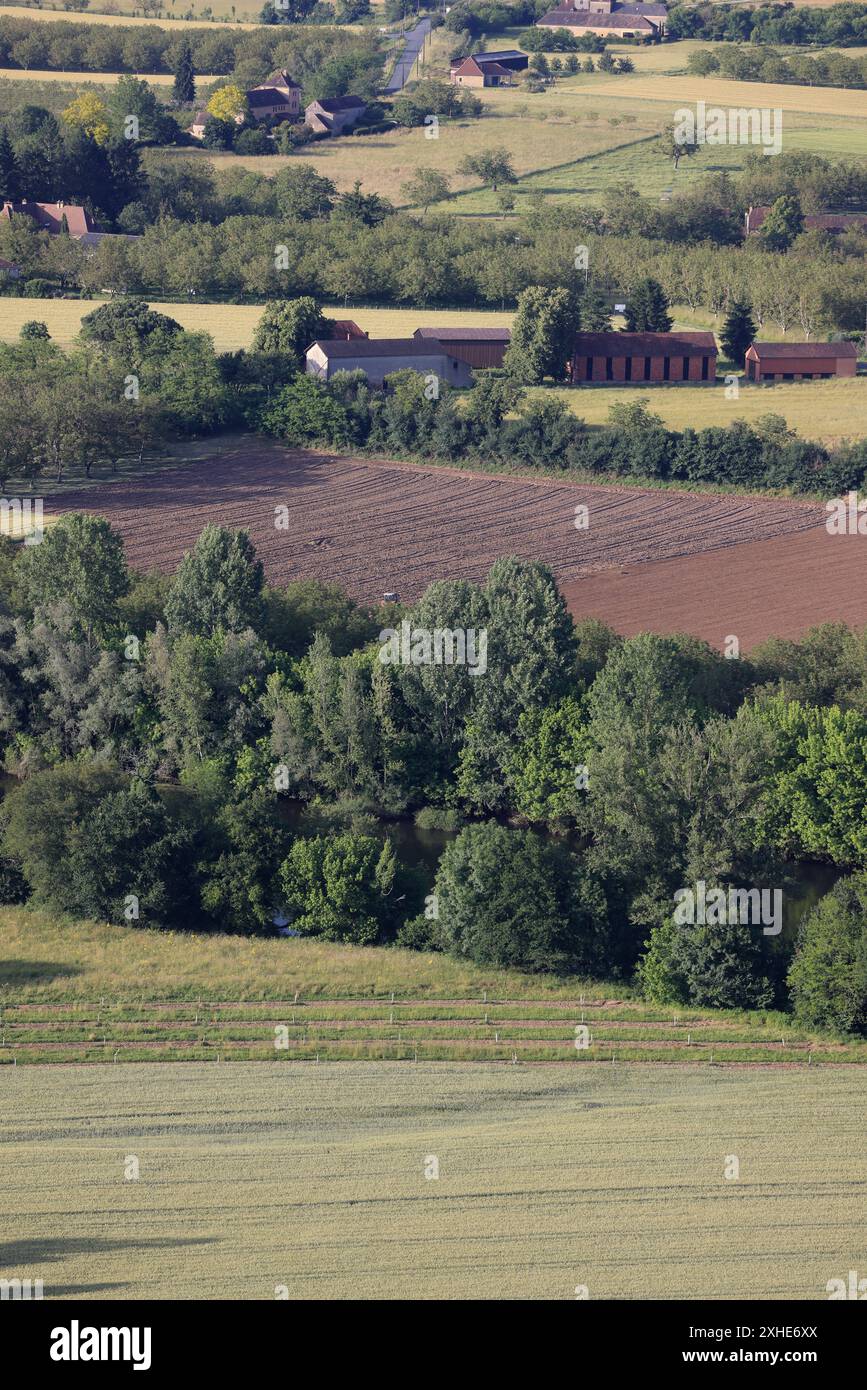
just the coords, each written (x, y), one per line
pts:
(650, 559)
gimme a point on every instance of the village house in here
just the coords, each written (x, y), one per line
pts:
(379, 357)
(478, 347)
(57, 218)
(333, 115)
(52, 217)
(278, 98)
(600, 359)
(800, 361)
(489, 69)
(10, 270)
(822, 221)
(608, 18)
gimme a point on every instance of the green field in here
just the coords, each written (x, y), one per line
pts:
(311, 1179)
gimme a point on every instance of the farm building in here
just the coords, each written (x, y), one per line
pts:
(10, 270)
(489, 69)
(347, 329)
(813, 221)
(379, 357)
(643, 358)
(334, 114)
(478, 347)
(607, 17)
(800, 361)
(276, 99)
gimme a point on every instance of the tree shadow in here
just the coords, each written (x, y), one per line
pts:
(22, 972)
(22, 1254)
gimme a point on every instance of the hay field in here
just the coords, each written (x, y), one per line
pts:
(163, 21)
(154, 79)
(232, 325)
(821, 410)
(816, 101)
(307, 1181)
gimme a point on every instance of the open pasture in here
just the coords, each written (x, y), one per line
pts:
(824, 410)
(320, 1180)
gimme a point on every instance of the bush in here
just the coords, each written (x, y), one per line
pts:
(828, 977)
(510, 899)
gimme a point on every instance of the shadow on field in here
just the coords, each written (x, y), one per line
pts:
(19, 972)
(18, 1254)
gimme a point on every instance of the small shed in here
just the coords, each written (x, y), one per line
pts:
(800, 361)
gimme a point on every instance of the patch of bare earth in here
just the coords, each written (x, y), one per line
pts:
(658, 560)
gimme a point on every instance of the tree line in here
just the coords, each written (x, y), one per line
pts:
(766, 65)
(217, 235)
(79, 46)
(844, 25)
(156, 725)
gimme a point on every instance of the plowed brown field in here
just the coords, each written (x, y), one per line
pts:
(650, 559)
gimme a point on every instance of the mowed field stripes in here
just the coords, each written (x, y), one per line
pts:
(432, 1181)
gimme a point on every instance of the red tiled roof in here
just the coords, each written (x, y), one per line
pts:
(685, 344)
(824, 221)
(839, 350)
(348, 329)
(50, 216)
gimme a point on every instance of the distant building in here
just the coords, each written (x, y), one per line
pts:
(50, 217)
(822, 221)
(607, 18)
(800, 361)
(489, 69)
(276, 99)
(10, 270)
(333, 115)
(379, 357)
(197, 129)
(478, 347)
(600, 359)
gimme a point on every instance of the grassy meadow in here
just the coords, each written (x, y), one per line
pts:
(823, 410)
(92, 992)
(311, 1182)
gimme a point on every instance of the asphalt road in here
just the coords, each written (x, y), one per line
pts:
(404, 65)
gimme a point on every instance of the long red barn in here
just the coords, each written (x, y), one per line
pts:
(600, 359)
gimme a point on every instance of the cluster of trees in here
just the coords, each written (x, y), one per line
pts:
(328, 57)
(155, 722)
(134, 379)
(765, 65)
(216, 234)
(843, 25)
